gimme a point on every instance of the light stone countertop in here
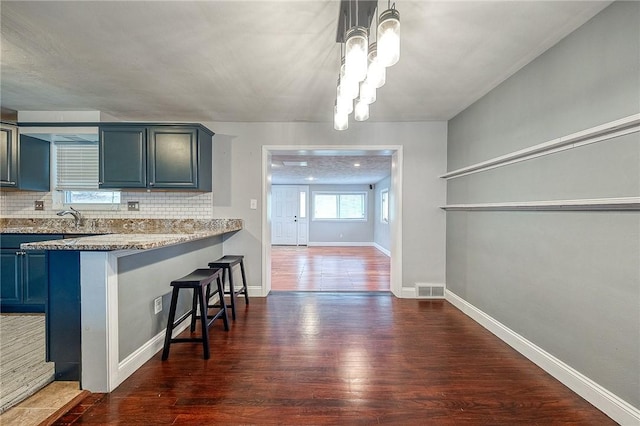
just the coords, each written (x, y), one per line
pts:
(118, 241)
(116, 234)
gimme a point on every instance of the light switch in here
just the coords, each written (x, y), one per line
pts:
(254, 204)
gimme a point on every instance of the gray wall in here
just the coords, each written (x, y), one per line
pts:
(567, 281)
(238, 178)
(145, 276)
(323, 231)
(380, 229)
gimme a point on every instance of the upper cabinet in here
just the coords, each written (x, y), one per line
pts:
(24, 161)
(166, 157)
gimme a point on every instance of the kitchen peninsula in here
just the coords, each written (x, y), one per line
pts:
(103, 320)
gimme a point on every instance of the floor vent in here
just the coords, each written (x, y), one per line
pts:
(429, 291)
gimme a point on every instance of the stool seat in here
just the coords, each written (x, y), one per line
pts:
(200, 281)
(226, 263)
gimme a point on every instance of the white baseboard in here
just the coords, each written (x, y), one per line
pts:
(339, 244)
(408, 293)
(145, 352)
(382, 249)
(607, 402)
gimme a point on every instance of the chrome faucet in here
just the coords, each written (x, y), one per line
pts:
(77, 216)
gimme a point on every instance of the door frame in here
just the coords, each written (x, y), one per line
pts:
(395, 204)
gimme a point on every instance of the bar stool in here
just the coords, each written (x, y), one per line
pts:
(200, 282)
(226, 263)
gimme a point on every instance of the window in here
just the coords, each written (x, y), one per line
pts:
(384, 205)
(303, 204)
(343, 205)
(77, 174)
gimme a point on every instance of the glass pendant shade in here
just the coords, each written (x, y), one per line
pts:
(376, 73)
(367, 92)
(340, 121)
(356, 46)
(349, 87)
(389, 38)
(344, 105)
(361, 110)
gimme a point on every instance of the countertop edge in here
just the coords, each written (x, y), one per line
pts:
(112, 242)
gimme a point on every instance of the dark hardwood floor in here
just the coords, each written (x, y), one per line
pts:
(335, 358)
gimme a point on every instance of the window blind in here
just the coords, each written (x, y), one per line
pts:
(77, 165)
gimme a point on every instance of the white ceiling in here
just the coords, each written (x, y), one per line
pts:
(261, 61)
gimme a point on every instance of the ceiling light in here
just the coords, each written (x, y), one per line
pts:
(389, 37)
(310, 178)
(367, 92)
(356, 164)
(361, 110)
(376, 74)
(363, 66)
(356, 54)
(340, 119)
(295, 163)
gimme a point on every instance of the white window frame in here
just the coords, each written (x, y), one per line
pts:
(61, 196)
(384, 206)
(364, 194)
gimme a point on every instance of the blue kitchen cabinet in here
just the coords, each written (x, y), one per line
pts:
(164, 157)
(24, 161)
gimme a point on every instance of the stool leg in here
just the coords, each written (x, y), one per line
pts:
(169, 332)
(232, 294)
(203, 321)
(223, 305)
(194, 310)
(244, 282)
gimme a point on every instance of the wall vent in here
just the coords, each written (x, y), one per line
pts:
(430, 291)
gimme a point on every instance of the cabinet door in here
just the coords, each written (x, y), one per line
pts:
(8, 157)
(173, 157)
(123, 157)
(10, 275)
(34, 164)
(34, 280)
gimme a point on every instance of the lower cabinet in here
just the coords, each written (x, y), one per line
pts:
(24, 274)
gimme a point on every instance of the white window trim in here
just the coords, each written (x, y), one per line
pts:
(366, 205)
(382, 219)
(58, 203)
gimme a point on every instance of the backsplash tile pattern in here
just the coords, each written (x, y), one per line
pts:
(154, 205)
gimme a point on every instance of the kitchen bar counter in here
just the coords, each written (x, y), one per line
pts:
(118, 234)
(118, 226)
(109, 280)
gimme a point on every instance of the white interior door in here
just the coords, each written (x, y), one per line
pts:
(284, 214)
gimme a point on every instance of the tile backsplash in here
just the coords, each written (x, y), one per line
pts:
(155, 205)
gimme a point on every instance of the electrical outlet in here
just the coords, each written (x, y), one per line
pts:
(133, 206)
(39, 205)
(253, 204)
(157, 305)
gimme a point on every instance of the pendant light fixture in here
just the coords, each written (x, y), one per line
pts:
(356, 46)
(348, 86)
(376, 73)
(340, 119)
(363, 65)
(367, 92)
(356, 53)
(361, 111)
(389, 37)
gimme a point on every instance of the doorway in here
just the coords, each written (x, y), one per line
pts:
(395, 202)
